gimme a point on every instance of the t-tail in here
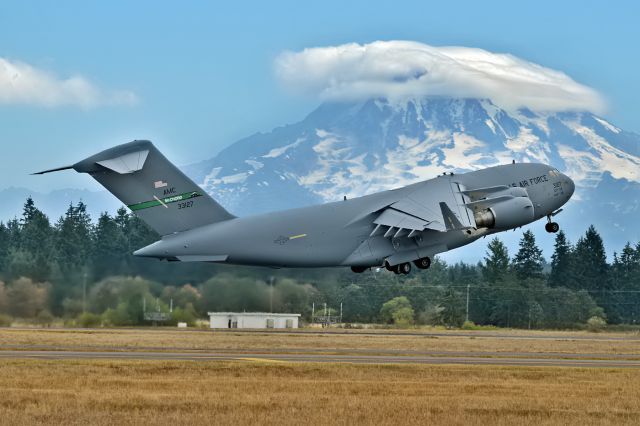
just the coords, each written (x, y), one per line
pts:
(153, 188)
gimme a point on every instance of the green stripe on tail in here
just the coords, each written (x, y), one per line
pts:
(166, 200)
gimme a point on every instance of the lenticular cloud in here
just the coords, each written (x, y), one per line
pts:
(403, 69)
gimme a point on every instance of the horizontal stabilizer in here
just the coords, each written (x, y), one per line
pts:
(127, 163)
(53, 170)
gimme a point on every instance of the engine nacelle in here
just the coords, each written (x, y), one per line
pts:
(506, 214)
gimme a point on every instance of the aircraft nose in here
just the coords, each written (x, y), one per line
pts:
(569, 185)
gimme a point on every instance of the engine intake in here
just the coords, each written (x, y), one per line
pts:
(507, 214)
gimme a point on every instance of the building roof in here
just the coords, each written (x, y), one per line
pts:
(251, 314)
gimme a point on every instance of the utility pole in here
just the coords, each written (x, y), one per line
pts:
(468, 302)
(271, 294)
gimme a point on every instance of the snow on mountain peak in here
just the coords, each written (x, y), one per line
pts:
(356, 148)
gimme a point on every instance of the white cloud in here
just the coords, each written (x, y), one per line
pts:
(23, 84)
(403, 69)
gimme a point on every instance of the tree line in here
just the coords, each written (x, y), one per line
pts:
(83, 271)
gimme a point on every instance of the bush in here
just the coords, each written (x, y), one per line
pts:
(187, 315)
(44, 318)
(469, 325)
(398, 308)
(87, 319)
(5, 320)
(595, 324)
(403, 317)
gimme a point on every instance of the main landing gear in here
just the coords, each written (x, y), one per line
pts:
(401, 268)
(405, 268)
(551, 227)
(422, 263)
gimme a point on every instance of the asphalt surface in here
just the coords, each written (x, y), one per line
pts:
(322, 358)
(358, 332)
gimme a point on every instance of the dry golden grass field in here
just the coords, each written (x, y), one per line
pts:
(114, 392)
(620, 344)
(229, 393)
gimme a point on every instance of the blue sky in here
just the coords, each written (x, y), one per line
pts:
(202, 74)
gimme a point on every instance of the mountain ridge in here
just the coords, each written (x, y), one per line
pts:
(357, 148)
(351, 149)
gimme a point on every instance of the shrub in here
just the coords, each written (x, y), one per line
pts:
(5, 320)
(44, 318)
(403, 317)
(87, 319)
(595, 324)
(469, 325)
(390, 310)
(187, 315)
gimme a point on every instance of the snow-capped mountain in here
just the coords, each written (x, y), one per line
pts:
(357, 148)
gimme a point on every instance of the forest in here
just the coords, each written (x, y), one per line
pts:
(81, 271)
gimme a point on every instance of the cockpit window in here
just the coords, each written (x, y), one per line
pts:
(554, 173)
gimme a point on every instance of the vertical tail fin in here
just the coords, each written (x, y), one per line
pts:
(152, 187)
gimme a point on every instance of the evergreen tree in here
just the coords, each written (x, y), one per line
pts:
(590, 264)
(139, 234)
(36, 240)
(622, 303)
(453, 308)
(528, 262)
(4, 247)
(496, 261)
(13, 226)
(109, 248)
(73, 240)
(561, 262)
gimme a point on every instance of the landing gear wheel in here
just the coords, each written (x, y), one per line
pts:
(404, 268)
(358, 269)
(551, 227)
(422, 263)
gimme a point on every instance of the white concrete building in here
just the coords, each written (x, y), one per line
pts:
(252, 320)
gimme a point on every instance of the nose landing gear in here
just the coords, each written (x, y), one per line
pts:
(551, 227)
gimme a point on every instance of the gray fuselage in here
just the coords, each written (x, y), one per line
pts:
(342, 233)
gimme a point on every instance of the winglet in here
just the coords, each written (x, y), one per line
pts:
(52, 170)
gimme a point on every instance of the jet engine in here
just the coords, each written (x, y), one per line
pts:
(506, 214)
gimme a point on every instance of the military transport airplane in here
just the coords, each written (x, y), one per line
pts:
(391, 229)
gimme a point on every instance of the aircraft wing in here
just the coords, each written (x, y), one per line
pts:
(439, 205)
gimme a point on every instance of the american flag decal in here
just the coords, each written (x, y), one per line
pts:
(159, 184)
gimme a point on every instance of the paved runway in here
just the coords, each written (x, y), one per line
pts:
(357, 359)
(359, 332)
